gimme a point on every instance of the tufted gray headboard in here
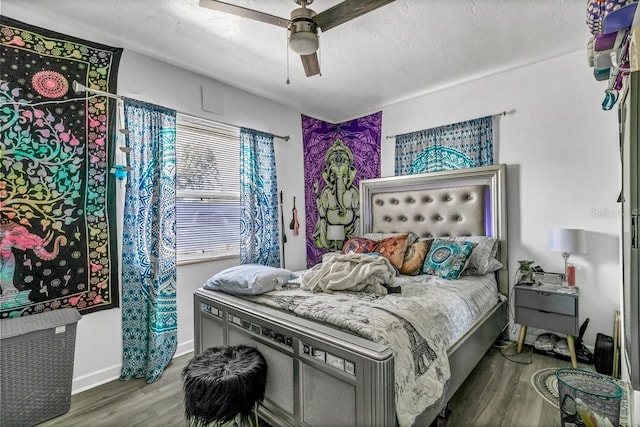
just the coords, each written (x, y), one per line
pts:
(455, 211)
(462, 202)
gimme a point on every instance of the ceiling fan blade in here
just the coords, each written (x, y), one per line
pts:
(346, 11)
(310, 64)
(244, 12)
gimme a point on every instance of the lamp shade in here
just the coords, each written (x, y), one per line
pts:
(335, 232)
(567, 240)
(303, 43)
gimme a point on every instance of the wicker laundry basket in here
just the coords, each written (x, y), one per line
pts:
(36, 366)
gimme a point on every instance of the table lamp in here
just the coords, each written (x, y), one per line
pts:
(568, 241)
(335, 233)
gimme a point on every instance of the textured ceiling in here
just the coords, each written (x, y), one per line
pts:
(402, 50)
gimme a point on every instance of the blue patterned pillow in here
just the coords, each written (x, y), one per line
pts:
(447, 259)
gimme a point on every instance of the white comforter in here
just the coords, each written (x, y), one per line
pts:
(350, 272)
(418, 325)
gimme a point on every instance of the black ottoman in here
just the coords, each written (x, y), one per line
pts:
(222, 383)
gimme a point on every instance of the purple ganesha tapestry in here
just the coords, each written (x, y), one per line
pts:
(336, 158)
(57, 197)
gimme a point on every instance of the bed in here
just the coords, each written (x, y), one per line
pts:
(325, 375)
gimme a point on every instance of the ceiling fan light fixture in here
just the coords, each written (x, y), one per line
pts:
(304, 23)
(303, 43)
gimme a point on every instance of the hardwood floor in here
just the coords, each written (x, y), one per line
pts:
(497, 393)
(130, 403)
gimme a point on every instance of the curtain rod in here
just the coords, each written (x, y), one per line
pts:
(502, 113)
(79, 87)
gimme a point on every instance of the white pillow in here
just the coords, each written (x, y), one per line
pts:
(483, 258)
(249, 279)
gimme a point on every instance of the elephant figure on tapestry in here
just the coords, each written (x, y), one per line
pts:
(18, 236)
(339, 200)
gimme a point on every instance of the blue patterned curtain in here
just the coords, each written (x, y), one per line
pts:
(149, 318)
(259, 232)
(456, 146)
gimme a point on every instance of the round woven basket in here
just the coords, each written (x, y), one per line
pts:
(586, 397)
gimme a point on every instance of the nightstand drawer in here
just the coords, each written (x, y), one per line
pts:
(545, 301)
(548, 321)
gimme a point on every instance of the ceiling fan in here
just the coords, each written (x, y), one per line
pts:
(304, 23)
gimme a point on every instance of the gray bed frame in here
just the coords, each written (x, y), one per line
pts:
(322, 376)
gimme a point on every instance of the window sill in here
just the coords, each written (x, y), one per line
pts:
(207, 258)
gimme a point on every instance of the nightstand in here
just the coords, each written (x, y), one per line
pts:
(547, 308)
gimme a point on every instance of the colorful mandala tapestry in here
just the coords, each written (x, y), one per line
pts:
(460, 145)
(57, 197)
(336, 158)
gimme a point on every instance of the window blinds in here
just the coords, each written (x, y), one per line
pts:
(207, 189)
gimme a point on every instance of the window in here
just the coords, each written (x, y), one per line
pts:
(207, 189)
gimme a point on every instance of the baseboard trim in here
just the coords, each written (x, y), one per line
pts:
(112, 373)
(184, 348)
(95, 379)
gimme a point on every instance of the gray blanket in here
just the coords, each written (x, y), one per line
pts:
(404, 324)
(418, 325)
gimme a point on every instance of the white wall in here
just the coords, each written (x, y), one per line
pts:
(562, 154)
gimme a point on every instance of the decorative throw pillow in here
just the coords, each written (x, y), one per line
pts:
(249, 279)
(393, 248)
(447, 259)
(413, 237)
(483, 257)
(358, 245)
(414, 257)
